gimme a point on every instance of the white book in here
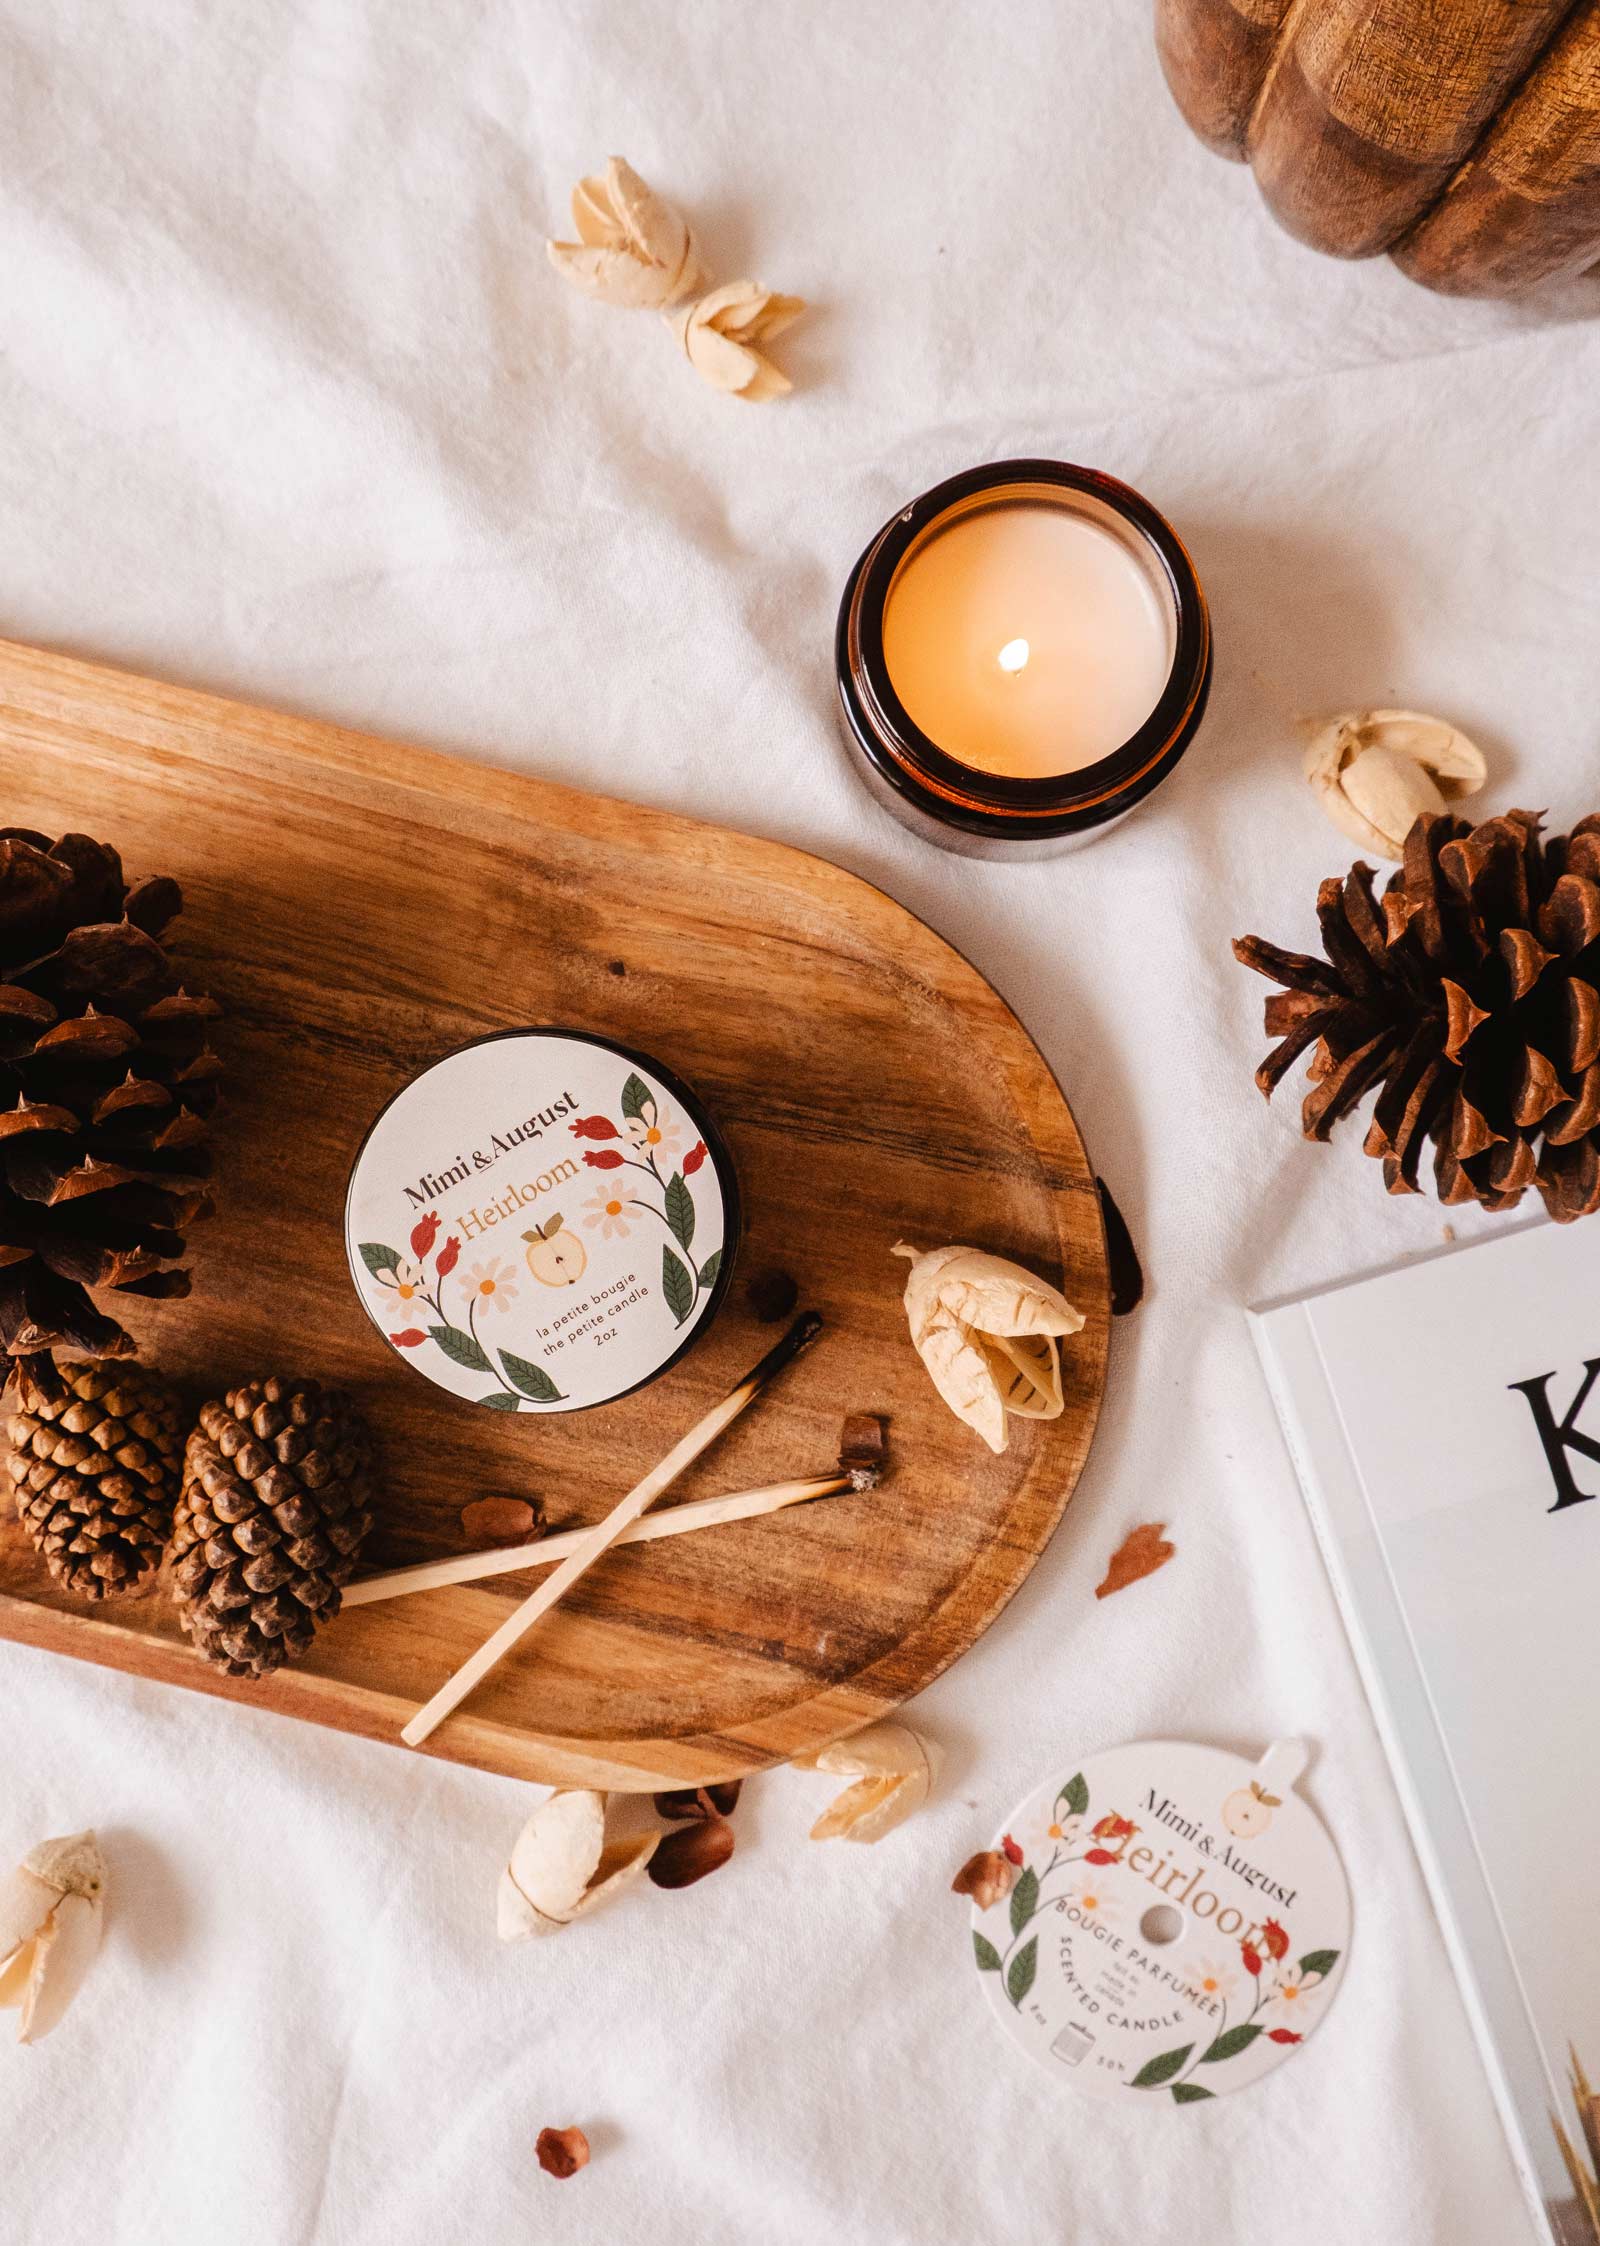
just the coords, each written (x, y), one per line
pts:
(1444, 1419)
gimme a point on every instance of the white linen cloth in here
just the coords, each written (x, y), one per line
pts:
(291, 406)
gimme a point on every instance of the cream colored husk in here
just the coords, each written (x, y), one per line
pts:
(52, 1910)
(1375, 772)
(632, 249)
(561, 1867)
(987, 1331)
(893, 1770)
(719, 334)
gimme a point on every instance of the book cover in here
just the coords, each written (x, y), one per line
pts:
(1444, 1419)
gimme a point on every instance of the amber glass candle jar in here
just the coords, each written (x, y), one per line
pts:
(1023, 654)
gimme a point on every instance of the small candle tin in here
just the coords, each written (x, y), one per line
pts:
(542, 1221)
(995, 814)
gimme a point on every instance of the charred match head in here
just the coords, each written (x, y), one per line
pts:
(864, 1450)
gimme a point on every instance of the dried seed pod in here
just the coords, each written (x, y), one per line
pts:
(692, 1852)
(51, 1913)
(561, 1867)
(503, 1520)
(719, 333)
(1376, 772)
(699, 1801)
(987, 1877)
(986, 1330)
(894, 1773)
(562, 2152)
(632, 248)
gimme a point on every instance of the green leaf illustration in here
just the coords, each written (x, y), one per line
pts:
(680, 1210)
(533, 1380)
(1075, 1794)
(503, 1401)
(1024, 1899)
(1231, 2042)
(377, 1257)
(634, 1095)
(676, 1285)
(459, 1346)
(1188, 2093)
(988, 1955)
(710, 1268)
(1319, 1961)
(1019, 1980)
(1155, 2072)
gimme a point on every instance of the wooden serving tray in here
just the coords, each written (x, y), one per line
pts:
(361, 908)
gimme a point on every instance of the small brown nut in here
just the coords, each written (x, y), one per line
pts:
(692, 1852)
(503, 1520)
(986, 1877)
(699, 1802)
(562, 2152)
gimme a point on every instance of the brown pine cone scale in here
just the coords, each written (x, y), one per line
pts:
(274, 1509)
(1467, 997)
(95, 1461)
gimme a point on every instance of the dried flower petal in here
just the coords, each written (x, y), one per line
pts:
(1375, 772)
(987, 1877)
(691, 1852)
(632, 248)
(502, 1520)
(893, 1770)
(699, 1801)
(720, 332)
(1140, 1553)
(986, 1330)
(562, 2152)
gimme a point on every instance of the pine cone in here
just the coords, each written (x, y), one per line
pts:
(96, 1468)
(105, 1081)
(276, 1483)
(1470, 996)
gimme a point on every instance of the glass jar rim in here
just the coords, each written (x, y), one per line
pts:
(910, 759)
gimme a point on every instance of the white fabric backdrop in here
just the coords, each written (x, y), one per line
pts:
(291, 406)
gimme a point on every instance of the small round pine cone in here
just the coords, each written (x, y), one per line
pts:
(271, 1519)
(95, 1461)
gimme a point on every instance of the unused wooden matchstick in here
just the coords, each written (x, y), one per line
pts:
(605, 1533)
(705, 1513)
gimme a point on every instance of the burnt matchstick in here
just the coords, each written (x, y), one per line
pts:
(604, 1534)
(855, 1473)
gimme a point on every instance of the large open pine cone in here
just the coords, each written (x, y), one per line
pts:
(276, 1488)
(1470, 996)
(105, 1080)
(96, 1461)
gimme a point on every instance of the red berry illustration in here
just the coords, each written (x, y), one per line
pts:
(1252, 1958)
(409, 1338)
(693, 1159)
(594, 1127)
(1099, 1856)
(605, 1161)
(1274, 1940)
(447, 1257)
(1011, 1849)
(423, 1235)
(1282, 2035)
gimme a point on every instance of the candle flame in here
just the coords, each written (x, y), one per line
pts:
(1013, 655)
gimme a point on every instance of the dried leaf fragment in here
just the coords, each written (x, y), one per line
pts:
(720, 332)
(692, 1852)
(632, 248)
(1375, 772)
(1140, 1553)
(562, 2152)
(52, 1910)
(561, 1866)
(893, 1771)
(987, 1877)
(502, 1520)
(987, 1331)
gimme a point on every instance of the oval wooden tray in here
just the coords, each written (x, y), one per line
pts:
(361, 907)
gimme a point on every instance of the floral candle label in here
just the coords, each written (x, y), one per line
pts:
(541, 1221)
(1176, 1925)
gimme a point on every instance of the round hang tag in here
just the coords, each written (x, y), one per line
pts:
(1175, 1921)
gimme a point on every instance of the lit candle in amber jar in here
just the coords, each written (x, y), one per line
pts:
(1023, 654)
(1028, 637)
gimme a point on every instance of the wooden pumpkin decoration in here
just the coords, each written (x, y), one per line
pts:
(1460, 136)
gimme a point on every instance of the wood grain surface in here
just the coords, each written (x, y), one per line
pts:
(361, 907)
(1461, 136)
